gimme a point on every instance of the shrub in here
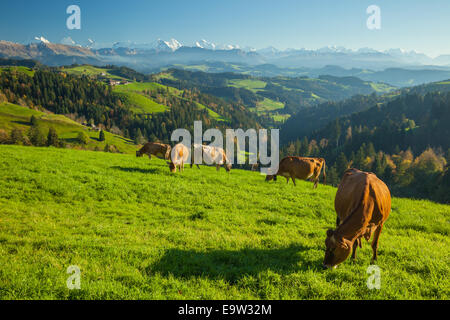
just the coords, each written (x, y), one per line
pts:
(4, 137)
(17, 136)
(36, 136)
(83, 138)
(52, 138)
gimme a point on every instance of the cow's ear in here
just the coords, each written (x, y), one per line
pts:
(330, 232)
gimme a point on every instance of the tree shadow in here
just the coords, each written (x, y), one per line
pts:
(71, 140)
(233, 265)
(25, 123)
(138, 170)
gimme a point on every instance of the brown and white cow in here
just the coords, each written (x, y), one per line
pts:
(362, 203)
(300, 168)
(212, 155)
(155, 148)
(179, 156)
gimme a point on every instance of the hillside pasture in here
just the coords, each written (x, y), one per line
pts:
(137, 231)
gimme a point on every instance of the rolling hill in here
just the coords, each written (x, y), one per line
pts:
(271, 97)
(17, 117)
(138, 232)
(140, 110)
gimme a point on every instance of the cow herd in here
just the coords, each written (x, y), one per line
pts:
(362, 203)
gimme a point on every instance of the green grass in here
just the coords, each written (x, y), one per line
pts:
(14, 116)
(381, 87)
(88, 70)
(142, 86)
(138, 102)
(249, 84)
(211, 113)
(25, 70)
(139, 232)
(269, 105)
(280, 117)
(133, 92)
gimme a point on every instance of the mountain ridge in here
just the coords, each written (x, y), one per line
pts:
(156, 55)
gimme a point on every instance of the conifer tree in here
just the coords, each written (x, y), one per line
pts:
(52, 138)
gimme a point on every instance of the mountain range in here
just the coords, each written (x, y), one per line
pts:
(160, 54)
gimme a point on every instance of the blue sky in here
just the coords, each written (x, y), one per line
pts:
(410, 24)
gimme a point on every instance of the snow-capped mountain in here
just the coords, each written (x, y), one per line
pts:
(159, 45)
(204, 44)
(334, 49)
(172, 45)
(41, 39)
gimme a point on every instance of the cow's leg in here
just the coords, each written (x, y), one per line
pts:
(198, 167)
(355, 246)
(316, 179)
(218, 167)
(376, 237)
(287, 180)
(293, 180)
(150, 156)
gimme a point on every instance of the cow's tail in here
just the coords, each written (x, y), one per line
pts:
(324, 172)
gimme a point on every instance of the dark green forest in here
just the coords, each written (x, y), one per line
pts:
(405, 141)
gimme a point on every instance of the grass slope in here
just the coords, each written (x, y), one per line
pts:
(88, 70)
(25, 70)
(133, 93)
(14, 116)
(249, 84)
(139, 232)
(139, 103)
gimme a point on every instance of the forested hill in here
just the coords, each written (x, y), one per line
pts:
(405, 141)
(272, 97)
(86, 98)
(305, 122)
(411, 121)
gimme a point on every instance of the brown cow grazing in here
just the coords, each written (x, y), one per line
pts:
(363, 203)
(179, 156)
(155, 148)
(300, 168)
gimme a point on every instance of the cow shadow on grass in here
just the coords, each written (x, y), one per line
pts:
(138, 170)
(232, 265)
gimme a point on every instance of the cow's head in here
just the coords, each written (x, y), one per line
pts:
(227, 167)
(172, 167)
(271, 177)
(337, 250)
(139, 154)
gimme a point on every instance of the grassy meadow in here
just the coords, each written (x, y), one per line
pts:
(137, 231)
